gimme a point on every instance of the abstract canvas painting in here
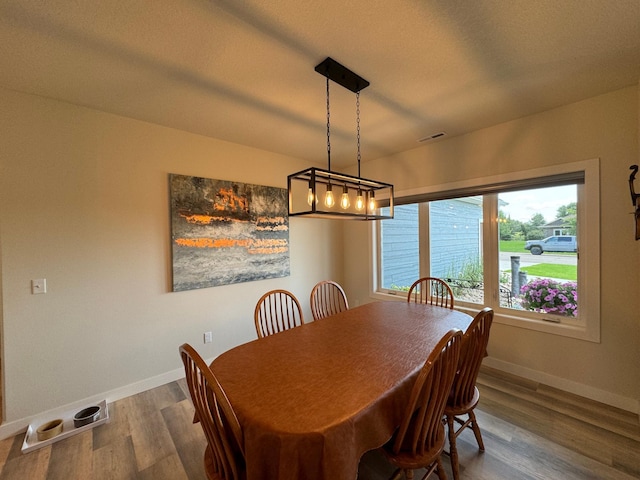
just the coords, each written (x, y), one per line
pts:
(226, 232)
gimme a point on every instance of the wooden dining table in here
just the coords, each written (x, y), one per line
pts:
(313, 399)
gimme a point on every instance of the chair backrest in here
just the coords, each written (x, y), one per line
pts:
(327, 298)
(431, 290)
(276, 311)
(474, 349)
(216, 416)
(422, 430)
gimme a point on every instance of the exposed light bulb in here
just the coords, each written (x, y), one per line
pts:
(359, 201)
(310, 196)
(345, 201)
(372, 201)
(329, 201)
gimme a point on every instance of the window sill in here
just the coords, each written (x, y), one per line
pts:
(566, 327)
(562, 326)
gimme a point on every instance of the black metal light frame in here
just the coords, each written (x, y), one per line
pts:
(303, 187)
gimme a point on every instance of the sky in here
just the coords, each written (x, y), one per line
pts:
(524, 204)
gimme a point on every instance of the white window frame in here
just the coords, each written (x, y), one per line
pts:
(587, 327)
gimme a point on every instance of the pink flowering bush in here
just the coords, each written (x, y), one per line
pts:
(550, 296)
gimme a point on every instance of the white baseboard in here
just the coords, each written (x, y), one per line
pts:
(19, 426)
(592, 393)
(628, 404)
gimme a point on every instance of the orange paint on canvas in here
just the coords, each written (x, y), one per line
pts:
(253, 246)
(267, 251)
(213, 242)
(198, 219)
(227, 200)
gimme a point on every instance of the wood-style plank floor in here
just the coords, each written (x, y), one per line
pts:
(530, 432)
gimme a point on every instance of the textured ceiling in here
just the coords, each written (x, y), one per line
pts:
(243, 71)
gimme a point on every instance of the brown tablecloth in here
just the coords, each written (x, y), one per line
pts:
(313, 399)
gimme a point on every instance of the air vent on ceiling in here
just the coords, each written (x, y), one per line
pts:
(433, 137)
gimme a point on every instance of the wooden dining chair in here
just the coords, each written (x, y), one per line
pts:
(432, 290)
(224, 455)
(464, 394)
(420, 439)
(327, 298)
(276, 311)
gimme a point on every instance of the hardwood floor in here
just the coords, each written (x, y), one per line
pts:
(530, 432)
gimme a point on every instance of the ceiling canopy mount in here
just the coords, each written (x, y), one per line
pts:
(341, 75)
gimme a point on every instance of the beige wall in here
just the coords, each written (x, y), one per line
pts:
(84, 204)
(606, 127)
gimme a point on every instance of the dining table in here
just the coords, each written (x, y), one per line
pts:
(313, 399)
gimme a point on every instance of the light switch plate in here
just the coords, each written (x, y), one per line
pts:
(39, 285)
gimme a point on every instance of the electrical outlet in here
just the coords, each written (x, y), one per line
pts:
(208, 337)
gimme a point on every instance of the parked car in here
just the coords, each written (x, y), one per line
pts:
(557, 243)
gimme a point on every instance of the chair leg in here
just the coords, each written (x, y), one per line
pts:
(435, 467)
(440, 470)
(476, 430)
(453, 449)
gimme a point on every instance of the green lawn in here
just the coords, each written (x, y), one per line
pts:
(550, 270)
(512, 246)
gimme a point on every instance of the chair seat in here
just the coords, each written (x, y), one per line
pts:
(411, 461)
(463, 408)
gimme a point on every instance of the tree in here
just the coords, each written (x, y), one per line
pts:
(505, 226)
(569, 213)
(509, 228)
(537, 220)
(566, 210)
(532, 230)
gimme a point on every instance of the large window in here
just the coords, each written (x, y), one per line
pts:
(525, 245)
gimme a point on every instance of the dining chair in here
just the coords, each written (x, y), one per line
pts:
(464, 394)
(432, 290)
(276, 311)
(224, 455)
(327, 298)
(420, 439)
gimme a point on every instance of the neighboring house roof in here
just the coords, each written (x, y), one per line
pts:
(559, 222)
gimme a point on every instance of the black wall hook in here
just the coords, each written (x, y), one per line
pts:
(635, 198)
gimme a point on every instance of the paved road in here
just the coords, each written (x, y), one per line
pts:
(527, 259)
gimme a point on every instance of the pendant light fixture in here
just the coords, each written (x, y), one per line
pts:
(316, 192)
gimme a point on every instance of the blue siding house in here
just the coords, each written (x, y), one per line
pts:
(455, 240)
(456, 235)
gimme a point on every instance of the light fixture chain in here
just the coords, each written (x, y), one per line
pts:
(328, 130)
(358, 127)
